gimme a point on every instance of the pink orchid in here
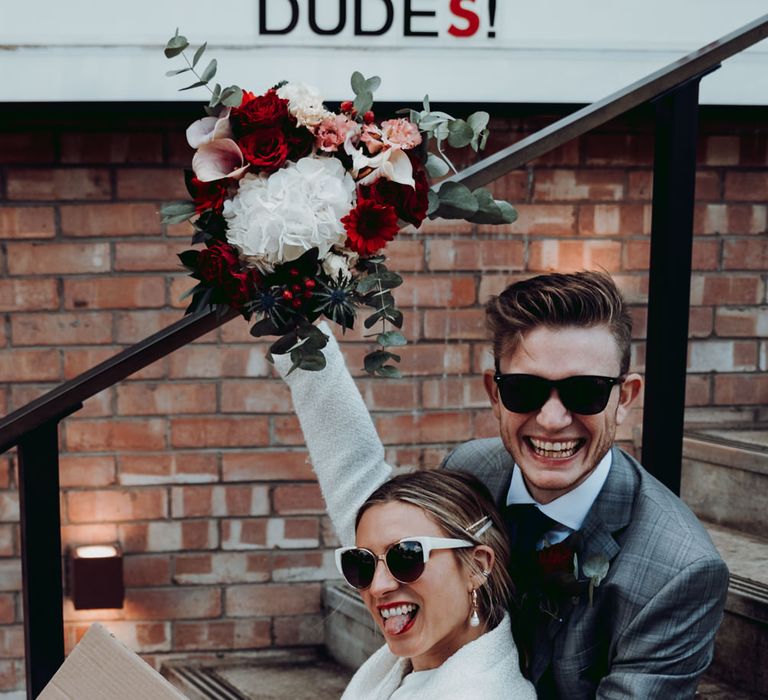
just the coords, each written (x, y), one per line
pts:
(219, 159)
(392, 164)
(209, 129)
(372, 137)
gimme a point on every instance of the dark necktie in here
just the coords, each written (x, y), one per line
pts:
(526, 525)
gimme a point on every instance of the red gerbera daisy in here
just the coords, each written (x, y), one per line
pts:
(370, 225)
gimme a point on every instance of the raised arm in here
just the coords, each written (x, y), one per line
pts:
(346, 452)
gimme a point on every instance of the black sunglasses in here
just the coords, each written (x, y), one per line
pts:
(404, 559)
(582, 394)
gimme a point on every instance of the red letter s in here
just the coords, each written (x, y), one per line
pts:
(473, 21)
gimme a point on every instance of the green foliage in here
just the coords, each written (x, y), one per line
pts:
(230, 96)
(455, 201)
(177, 212)
(363, 89)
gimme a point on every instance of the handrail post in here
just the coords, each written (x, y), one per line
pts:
(38, 458)
(674, 184)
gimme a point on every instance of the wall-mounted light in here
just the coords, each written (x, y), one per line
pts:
(96, 577)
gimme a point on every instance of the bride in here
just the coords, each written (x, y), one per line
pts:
(427, 552)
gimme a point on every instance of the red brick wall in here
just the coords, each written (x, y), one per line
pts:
(195, 464)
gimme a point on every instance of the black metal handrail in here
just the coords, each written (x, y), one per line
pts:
(60, 401)
(653, 86)
(674, 89)
(69, 396)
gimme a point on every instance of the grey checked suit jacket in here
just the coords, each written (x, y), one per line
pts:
(650, 630)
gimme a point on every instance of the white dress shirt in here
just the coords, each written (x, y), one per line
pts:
(570, 509)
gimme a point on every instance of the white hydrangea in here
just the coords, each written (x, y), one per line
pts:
(305, 103)
(277, 218)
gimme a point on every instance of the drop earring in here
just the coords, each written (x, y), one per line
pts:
(474, 618)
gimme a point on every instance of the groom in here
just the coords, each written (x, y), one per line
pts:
(560, 388)
(638, 615)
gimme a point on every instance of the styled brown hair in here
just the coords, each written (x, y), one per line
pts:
(557, 300)
(456, 500)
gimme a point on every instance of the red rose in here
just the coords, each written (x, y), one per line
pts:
(370, 225)
(265, 149)
(238, 287)
(216, 264)
(410, 203)
(556, 559)
(260, 112)
(209, 195)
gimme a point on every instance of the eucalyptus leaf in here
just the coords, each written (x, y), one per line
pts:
(176, 212)
(433, 202)
(312, 362)
(209, 72)
(374, 318)
(389, 279)
(215, 95)
(178, 71)
(389, 371)
(456, 201)
(426, 103)
(373, 83)
(284, 344)
(363, 102)
(442, 132)
(460, 133)
(231, 96)
(357, 82)
(198, 54)
(391, 339)
(378, 358)
(395, 317)
(175, 45)
(436, 166)
(200, 83)
(483, 140)
(430, 122)
(441, 115)
(478, 121)
(367, 284)
(492, 211)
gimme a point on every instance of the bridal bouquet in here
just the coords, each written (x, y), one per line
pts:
(295, 203)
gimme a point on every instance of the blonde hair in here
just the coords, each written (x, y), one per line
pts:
(455, 501)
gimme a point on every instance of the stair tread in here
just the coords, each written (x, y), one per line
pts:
(714, 689)
(746, 555)
(748, 438)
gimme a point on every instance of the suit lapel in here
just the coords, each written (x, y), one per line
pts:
(609, 514)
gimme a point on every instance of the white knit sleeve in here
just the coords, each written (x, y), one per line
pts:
(346, 452)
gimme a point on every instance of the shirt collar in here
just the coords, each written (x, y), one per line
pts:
(571, 508)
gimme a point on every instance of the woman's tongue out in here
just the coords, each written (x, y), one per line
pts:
(398, 620)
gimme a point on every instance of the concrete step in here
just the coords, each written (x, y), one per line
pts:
(741, 646)
(351, 635)
(725, 478)
(712, 689)
(299, 674)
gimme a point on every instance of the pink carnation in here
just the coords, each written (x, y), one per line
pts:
(401, 133)
(333, 131)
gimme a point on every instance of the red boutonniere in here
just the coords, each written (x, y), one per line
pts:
(557, 559)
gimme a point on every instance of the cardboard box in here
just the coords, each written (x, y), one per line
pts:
(100, 667)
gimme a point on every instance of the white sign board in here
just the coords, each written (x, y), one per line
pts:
(478, 51)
